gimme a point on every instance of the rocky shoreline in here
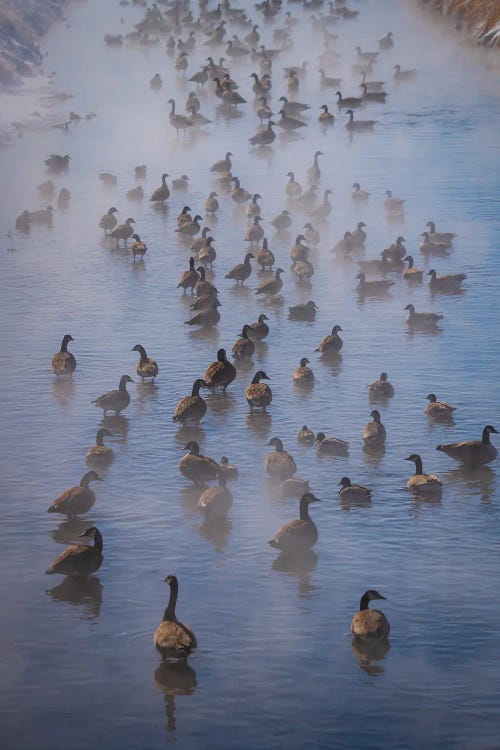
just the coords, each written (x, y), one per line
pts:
(479, 18)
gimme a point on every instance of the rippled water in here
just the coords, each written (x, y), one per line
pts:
(275, 663)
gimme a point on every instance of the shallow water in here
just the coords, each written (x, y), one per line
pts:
(275, 664)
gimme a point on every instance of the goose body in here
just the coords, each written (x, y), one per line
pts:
(264, 256)
(100, 454)
(282, 221)
(422, 319)
(173, 639)
(259, 330)
(305, 312)
(293, 188)
(330, 446)
(147, 367)
(257, 394)
(216, 501)
(420, 483)
(123, 232)
(353, 492)
(303, 374)
(370, 624)
(211, 204)
(116, 400)
(374, 433)
(331, 344)
(299, 536)
(305, 435)
(289, 123)
(359, 194)
(403, 75)
(254, 233)
(446, 237)
(239, 194)
(392, 204)
(271, 286)
(221, 373)
(264, 136)
(191, 408)
(381, 388)
(179, 122)
(196, 467)
(108, 222)
(228, 470)
(448, 283)
(207, 317)
(279, 464)
(348, 102)
(139, 248)
(359, 125)
(438, 410)
(76, 500)
(57, 163)
(472, 453)
(432, 247)
(223, 165)
(64, 362)
(80, 559)
(374, 286)
(189, 278)
(411, 273)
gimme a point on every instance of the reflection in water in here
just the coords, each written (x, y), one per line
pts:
(68, 531)
(368, 653)
(359, 502)
(299, 568)
(186, 433)
(146, 392)
(174, 678)
(190, 495)
(332, 362)
(63, 389)
(221, 404)
(116, 424)
(259, 422)
(479, 482)
(216, 529)
(80, 591)
(373, 454)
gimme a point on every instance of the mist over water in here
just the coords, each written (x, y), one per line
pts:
(275, 665)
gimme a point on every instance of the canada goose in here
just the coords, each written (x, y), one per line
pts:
(283, 220)
(228, 470)
(324, 210)
(311, 235)
(236, 50)
(371, 86)
(359, 124)
(108, 222)
(448, 283)
(327, 81)
(293, 108)
(211, 203)
(228, 96)
(253, 37)
(181, 63)
(303, 374)
(99, 453)
(387, 41)
(253, 209)
(79, 559)
(173, 639)
(314, 172)
(331, 344)
(438, 410)
(139, 248)
(303, 269)
(292, 81)
(353, 491)
(271, 286)
(326, 117)
(289, 123)
(397, 251)
(146, 366)
(254, 233)
(293, 188)
(140, 171)
(366, 56)
(375, 286)
(358, 194)
(220, 373)
(258, 394)
(370, 624)
(207, 253)
(239, 194)
(189, 278)
(428, 247)
(23, 222)
(373, 96)
(191, 408)
(422, 484)
(257, 87)
(344, 246)
(264, 136)
(279, 464)
(358, 236)
(349, 102)
(381, 388)
(161, 194)
(305, 435)
(244, 347)
(374, 432)
(108, 179)
(241, 271)
(63, 362)
(206, 318)
(76, 500)
(204, 287)
(180, 183)
(46, 189)
(263, 110)
(259, 330)
(421, 319)
(265, 257)
(192, 103)
(156, 81)
(57, 163)
(303, 312)
(196, 467)
(199, 242)
(179, 122)
(135, 194)
(403, 75)
(216, 501)
(123, 232)
(444, 237)
(330, 446)
(472, 453)
(43, 216)
(190, 228)
(200, 78)
(224, 165)
(294, 487)
(411, 273)
(116, 400)
(298, 536)
(392, 204)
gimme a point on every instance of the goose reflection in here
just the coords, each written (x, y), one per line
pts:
(63, 389)
(221, 404)
(299, 568)
(117, 424)
(266, 153)
(358, 502)
(80, 591)
(373, 454)
(333, 362)
(240, 292)
(174, 678)
(478, 482)
(217, 530)
(259, 422)
(190, 495)
(369, 653)
(261, 350)
(186, 433)
(147, 392)
(67, 531)
(204, 334)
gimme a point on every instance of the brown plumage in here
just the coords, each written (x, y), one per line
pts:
(203, 286)
(259, 330)
(123, 232)
(265, 257)
(439, 410)
(221, 373)
(230, 471)
(207, 317)
(370, 624)
(303, 373)
(76, 500)
(299, 536)
(305, 435)
(63, 362)
(116, 400)
(411, 273)
(108, 222)
(172, 638)
(79, 559)
(306, 311)
(216, 501)
(241, 271)
(258, 394)
(447, 283)
(331, 344)
(353, 492)
(161, 193)
(420, 483)
(331, 446)
(279, 464)
(139, 248)
(191, 408)
(244, 347)
(146, 366)
(271, 286)
(381, 388)
(472, 453)
(374, 432)
(100, 454)
(184, 217)
(196, 467)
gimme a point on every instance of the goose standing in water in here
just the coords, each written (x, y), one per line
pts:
(282, 221)
(422, 319)
(348, 101)
(359, 194)
(191, 408)
(207, 317)
(306, 436)
(80, 559)
(293, 188)
(403, 75)
(255, 232)
(314, 172)
(271, 286)
(259, 330)
(299, 536)
(393, 205)
(211, 204)
(439, 410)
(387, 41)
(147, 367)
(264, 136)
(472, 453)
(303, 374)
(123, 232)
(139, 248)
(257, 394)
(420, 483)
(161, 194)
(430, 247)
(100, 454)
(64, 362)
(116, 400)
(230, 471)
(325, 209)
(109, 221)
(239, 194)
(173, 639)
(374, 286)
(76, 500)
(264, 256)
(189, 278)
(244, 347)
(221, 373)
(359, 125)
(204, 287)
(381, 388)
(196, 467)
(370, 624)
(279, 464)
(216, 501)
(331, 344)
(223, 165)
(179, 122)
(374, 433)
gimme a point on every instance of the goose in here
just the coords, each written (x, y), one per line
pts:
(299, 536)
(359, 194)
(211, 203)
(294, 487)
(392, 204)
(108, 179)
(293, 188)
(179, 122)
(140, 171)
(265, 257)
(354, 492)
(200, 78)
(326, 117)
(76, 500)
(371, 86)
(192, 103)
(244, 346)
(207, 253)
(283, 220)
(236, 50)
(305, 311)
(428, 247)
(57, 163)
(344, 246)
(228, 470)
(308, 198)
(147, 367)
(403, 75)
(221, 373)
(43, 216)
(191, 408)
(299, 251)
(306, 436)
(139, 247)
(156, 82)
(190, 228)
(99, 453)
(303, 374)
(180, 183)
(189, 278)
(257, 394)
(279, 464)
(289, 123)
(422, 319)
(472, 453)
(420, 483)
(253, 209)
(330, 446)
(257, 87)
(293, 108)
(80, 559)
(196, 467)
(206, 318)
(370, 624)
(370, 57)
(259, 330)
(438, 410)
(349, 101)
(254, 233)
(397, 251)
(23, 222)
(314, 172)
(204, 302)
(327, 81)
(64, 362)
(387, 41)
(241, 271)
(299, 70)
(381, 388)
(123, 232)
(116, 400)
(181, 63)
(271, 286)
(204, 287)
(411, 273)
(446, 237)
(373, 96)
(46, 189)
(223, 165)
(374, 433)
(303, 269)
(239, 194)
(311, 235)
(359, 125)
(173, 639)
(135, 194)
(292, 81)
(264, 136)
(325, 209)
(199, 242)
(331, 344)
(216, 501)
(253, 37)
(448, 283)
(263, 111)
(358, 236)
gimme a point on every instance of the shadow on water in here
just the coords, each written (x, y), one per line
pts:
(68, 531)
(63, 389)
(220, 403)
(259, 422)
(81, 592)
(186, 433)
(117, 424)
(373, 454)
(300, 568)
(217, 530)
(174, 679)
(369, 654)
(478, 482)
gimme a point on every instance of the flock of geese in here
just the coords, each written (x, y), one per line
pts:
(210, 30)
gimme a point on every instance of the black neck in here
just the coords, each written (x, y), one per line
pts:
(64, 345)
(486, 436)
(98, 543)
(418, 466)
(364, 602)
(169, 614)
(304, 510)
